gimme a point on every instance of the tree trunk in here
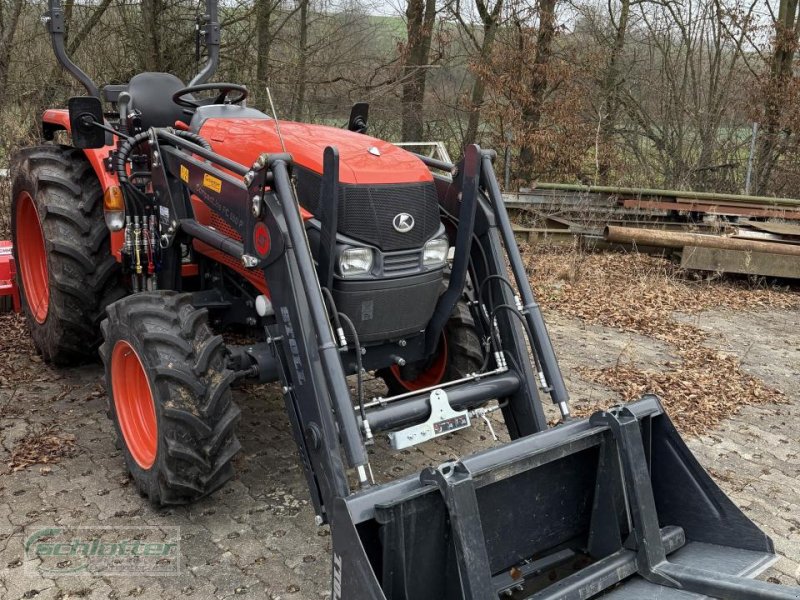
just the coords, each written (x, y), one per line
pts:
(151, 50)
(302, 64)
(8, 27)
(420, 19)
(611, 80)
(490, 21)
(786, 38)
(532, 111)
(263, 42)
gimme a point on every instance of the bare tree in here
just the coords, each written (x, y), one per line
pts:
(10, 12)
(420, 19)
(482, 42)
(608, 111)
(299, 98)
(532, 111)
(774, 135)
(151, 25)
(681, 91)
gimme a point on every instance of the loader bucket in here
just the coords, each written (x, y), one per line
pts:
(613, 506)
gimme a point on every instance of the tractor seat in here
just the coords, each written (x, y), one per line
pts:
(151, 94)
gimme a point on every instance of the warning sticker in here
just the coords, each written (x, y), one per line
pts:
(212, 183)
(184, 174)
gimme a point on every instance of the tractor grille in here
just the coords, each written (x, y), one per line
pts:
(221, 225)
(373, 308)
(400, 263)
(366, 211)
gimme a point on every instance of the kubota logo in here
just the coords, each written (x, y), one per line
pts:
(403, 223)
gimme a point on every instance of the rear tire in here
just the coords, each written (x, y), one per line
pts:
(65, 271)
(180, 439)
(459, 354)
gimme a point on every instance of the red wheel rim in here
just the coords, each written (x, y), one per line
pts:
(32, 258)
(433, 375)
(133, 401)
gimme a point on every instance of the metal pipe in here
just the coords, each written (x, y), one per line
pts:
(380, 401)
(677, 239)
(212, 32)
(542, 344)
(213, 238)
(436, 164)
(461, 397)
(710, 196)
(328, 350)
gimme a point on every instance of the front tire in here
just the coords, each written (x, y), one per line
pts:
(169, 396)
(65, 270)
(458, 355)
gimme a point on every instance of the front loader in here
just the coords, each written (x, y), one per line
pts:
(176, 218)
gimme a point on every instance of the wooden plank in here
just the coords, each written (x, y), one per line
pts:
(715, 209)
(789, 229)
(536, 235)
(737, 261)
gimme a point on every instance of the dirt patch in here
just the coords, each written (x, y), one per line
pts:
(16, 347)
(641, 294)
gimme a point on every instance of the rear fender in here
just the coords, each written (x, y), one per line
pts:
(55, 120)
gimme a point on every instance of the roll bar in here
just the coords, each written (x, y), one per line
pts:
(54, 20)
(210, 27)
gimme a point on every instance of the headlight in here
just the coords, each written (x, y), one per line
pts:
(355, 261)
(435, 252)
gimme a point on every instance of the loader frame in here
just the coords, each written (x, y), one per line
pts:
(622, 467)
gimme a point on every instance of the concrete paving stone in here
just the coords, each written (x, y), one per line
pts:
(256, 538)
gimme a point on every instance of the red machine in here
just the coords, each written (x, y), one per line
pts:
(9, 293)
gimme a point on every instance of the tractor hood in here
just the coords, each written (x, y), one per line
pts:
(362, 159)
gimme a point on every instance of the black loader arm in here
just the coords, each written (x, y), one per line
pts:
(259, 203)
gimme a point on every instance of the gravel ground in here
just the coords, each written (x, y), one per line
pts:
(256, 538)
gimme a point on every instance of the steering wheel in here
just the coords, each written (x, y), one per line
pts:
(222, 98)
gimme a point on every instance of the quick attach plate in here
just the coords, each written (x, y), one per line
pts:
(442, 420)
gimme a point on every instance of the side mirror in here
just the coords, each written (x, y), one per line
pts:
(84, 113)
(358, 117)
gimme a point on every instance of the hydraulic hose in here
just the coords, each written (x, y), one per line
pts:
(192, 137)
